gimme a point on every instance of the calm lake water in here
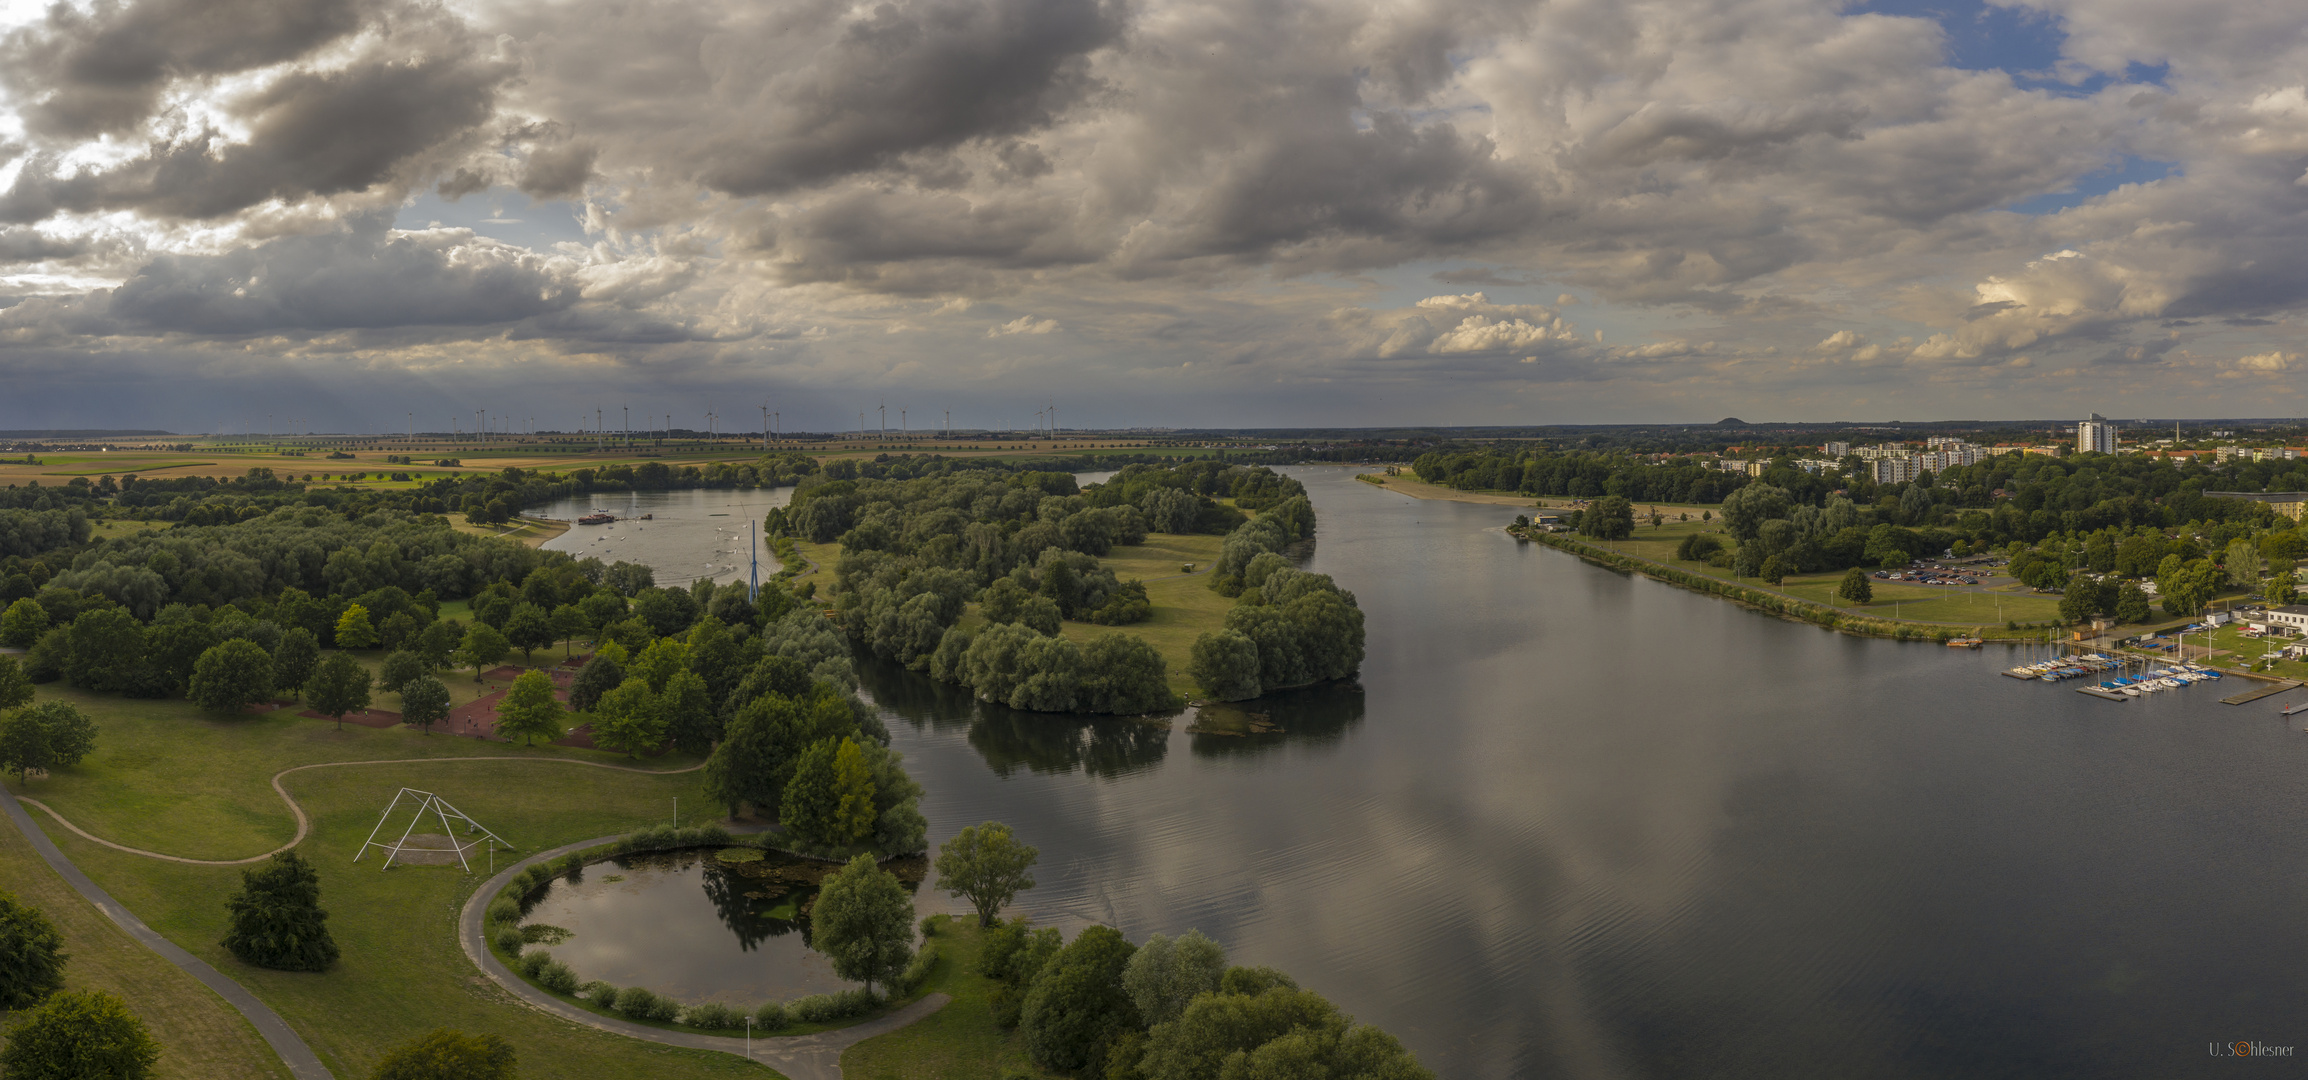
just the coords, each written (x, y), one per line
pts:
(693, 534)
(693, 926)
(1583, 824)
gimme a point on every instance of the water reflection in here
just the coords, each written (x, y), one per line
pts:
(1314, 716)
(696, 925)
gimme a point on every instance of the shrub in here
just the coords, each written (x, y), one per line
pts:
(918, 971)
(640, 1004)
(509, 940)
(277, 921)
(442, 1052)
(826, 1008)
(713, 1016)
(557, 977)
(503, 910)
(80, 1033)
(33, 967)
(533, 962)
(770, 1017)
(600, 993)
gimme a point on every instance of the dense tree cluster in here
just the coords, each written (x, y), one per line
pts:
(1025, 545)
(1172, 1010)
(1289, 628)
(811, 752)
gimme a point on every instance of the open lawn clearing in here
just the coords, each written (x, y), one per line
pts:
(168, 777)
(958, 1042)
(402, 972)
(200, 1036)
(1185, 608)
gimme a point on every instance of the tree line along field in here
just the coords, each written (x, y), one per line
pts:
(373, 458)
(1915, 603)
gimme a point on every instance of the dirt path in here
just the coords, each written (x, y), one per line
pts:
(304, 824)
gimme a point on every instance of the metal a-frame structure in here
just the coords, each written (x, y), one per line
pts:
(426, 802)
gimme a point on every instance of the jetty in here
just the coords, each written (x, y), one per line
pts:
(2261, 691)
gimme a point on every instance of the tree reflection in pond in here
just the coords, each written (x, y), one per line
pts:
(667, 921)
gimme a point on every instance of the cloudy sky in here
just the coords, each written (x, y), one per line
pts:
(1148, 212)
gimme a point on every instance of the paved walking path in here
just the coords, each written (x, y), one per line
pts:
(300, 1059)
(799, 1057)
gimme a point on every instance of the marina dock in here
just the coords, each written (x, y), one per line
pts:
(2261, 691)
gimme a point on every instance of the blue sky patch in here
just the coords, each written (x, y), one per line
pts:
(2131, 170)
(500, 214)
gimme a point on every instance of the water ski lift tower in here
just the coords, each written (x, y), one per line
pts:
(427, 849)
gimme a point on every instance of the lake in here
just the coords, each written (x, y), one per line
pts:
(692, 534)
(1578, 823)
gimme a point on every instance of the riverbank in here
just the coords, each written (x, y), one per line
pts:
(1777, 602)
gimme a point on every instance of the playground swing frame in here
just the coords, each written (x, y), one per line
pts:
(439, 807)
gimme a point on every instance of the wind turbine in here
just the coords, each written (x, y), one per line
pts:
(882, 418)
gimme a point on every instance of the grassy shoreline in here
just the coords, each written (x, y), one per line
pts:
(1777, 603)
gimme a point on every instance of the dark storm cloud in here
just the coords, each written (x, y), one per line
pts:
(89, 73)
(28, 245)
(908, 76)
(554, 171)
(361, 278)
(312, 133)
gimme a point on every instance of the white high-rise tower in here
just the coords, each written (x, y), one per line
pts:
(2096, 436)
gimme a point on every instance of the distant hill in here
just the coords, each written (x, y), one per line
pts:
(84, 433)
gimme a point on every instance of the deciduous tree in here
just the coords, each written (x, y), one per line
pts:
(339, 685)
(424, 702)
(1225, 664)
(986, 865)
(1855, 587)
(354, 631)
(15, 685)
(483, 648)
(528, 629)
(864, 922)
(44, 738)
(398, 669)
(626, 719)
(1165, 974)
(22, 624)
(231, 675)
(294, 658)
(1076, 1008)
(31, 955)
(529, 712)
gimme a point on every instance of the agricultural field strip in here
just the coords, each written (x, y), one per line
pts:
(304, 825)
(299, 1058)
(800, 1057)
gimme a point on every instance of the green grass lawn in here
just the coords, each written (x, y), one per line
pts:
(168, 777)
(402, 972)
(958, 1042)
(2243, 653)
(199, 1035)
(1184, 606)
(1913, 603)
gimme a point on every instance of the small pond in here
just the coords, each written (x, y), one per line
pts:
(695, 926)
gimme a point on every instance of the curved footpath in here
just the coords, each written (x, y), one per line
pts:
(302, 1062)
(799, 1057)
(304, 825)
